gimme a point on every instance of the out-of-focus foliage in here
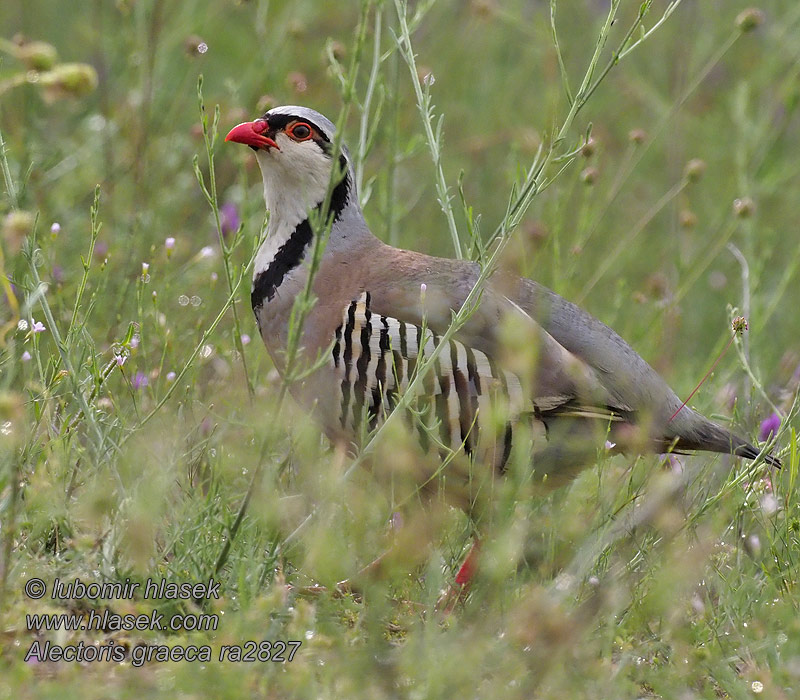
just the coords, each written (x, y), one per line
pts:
(129, 435)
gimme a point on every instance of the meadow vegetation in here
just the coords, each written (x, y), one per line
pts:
(638, 158)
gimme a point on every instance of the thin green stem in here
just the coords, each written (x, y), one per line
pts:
(210, 192)
(433, 136)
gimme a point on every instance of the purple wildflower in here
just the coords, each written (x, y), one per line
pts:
(100, 250)
(25, 356)
(245, 339)
(674, 462)
(169, 243)
(769, 427)
(171, 376)
(55, 229)
(120, 359)
(229, 218)
(139, 380)
(37, 326)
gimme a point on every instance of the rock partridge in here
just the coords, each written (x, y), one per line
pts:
(380, 309)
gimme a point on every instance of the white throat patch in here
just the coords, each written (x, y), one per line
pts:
(295, 181)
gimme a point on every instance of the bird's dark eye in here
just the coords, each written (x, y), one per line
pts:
(300, 131)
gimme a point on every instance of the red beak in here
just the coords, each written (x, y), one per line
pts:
(252, 134)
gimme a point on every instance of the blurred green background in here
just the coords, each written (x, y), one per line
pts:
(694, 147)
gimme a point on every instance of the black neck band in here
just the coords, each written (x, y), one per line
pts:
(291, 253)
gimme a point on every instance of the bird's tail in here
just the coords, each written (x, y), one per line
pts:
(711, 437)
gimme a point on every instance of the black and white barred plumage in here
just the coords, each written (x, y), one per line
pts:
(375, 358)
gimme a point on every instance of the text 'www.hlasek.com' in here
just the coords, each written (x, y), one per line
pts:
(104, 620)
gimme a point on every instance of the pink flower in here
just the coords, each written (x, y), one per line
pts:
(25, 356)
(769, 427)
(139, 380)
(37, 326)
(100, 250)
(229, 218)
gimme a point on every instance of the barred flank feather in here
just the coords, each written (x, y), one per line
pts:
(375, 358)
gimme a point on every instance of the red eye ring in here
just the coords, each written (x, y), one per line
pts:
(300, 131)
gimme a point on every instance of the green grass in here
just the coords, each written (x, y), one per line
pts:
(643, 578)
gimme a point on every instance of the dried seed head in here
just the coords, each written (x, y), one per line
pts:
(687, 219)
(535, 233)
(16, 226)
(637, 135)
(744, 207)
(68, 80)
(739, 325)
(483, 9)
(296, 29)
(589, 175)
(192, 44)
(37, 55)
(657, 285)
(747, 20)
(694, 169)
(297, 81)
(337, 50)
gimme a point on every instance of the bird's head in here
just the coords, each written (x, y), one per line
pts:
(294, 149)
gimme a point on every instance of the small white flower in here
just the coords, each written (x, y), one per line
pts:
(25, 356)
(55, 228)
(171, 376)
(135, 341)
(22, 325)
(169, 243)
(145, 268)
(245, 339)
(206, 252)
(769, 504)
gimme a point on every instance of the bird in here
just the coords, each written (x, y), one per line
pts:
(380, 310)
